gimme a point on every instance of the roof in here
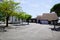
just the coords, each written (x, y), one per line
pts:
(48, 16)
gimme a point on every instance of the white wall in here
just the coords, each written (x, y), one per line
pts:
(14, 19)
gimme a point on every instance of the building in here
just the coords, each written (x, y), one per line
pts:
(33, 20)
(13, 19)
(46, 18)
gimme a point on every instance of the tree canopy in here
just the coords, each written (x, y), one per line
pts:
(23, 15)
(56, 9)
(8, 8)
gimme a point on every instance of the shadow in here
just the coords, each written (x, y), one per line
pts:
(58, 29)
(20, 24)
(2, 28)
(58, 24)
(43, 23)
(55, 29)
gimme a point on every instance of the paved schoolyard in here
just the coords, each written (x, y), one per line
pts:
(30, 32)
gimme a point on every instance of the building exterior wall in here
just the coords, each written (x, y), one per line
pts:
(13, 19)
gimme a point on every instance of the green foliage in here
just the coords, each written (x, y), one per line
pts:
(56, 8)
(8, 7)
(28, 16)
(2, 17)
(23, 15)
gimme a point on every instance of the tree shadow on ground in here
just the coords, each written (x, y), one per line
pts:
(56, 29)
(2, 28)
(20, 24)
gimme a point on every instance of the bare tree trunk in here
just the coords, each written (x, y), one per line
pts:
(54, 23)
(7, 21)
(28, 21)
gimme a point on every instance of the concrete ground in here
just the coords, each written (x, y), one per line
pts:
(30, 32)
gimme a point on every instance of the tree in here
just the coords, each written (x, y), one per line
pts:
(8, 8)
(24, 16)
(56, 9)
(28, 17)
(2, 17)
(20, 15)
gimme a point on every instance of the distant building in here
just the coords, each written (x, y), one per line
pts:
(33, 20)
(14, 20)
(46, 17)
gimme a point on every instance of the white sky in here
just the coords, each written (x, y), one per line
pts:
(37, 7)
